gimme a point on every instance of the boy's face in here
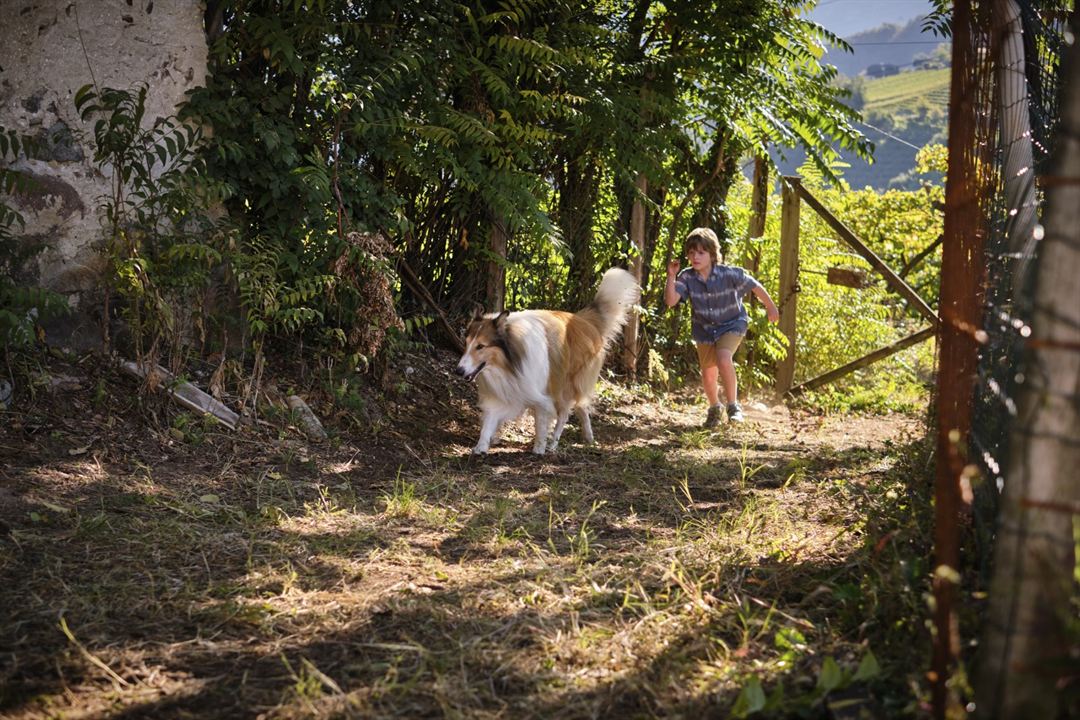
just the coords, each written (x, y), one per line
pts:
(699, 259)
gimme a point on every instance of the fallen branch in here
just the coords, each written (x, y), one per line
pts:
(183, 392)
(91, 656)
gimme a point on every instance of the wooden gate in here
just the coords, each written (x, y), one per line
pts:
(792, 193)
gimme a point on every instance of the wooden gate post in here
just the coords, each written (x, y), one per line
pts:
(789, 280)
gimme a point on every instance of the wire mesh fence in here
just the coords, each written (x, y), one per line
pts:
(1004, 125)
(1019, 75)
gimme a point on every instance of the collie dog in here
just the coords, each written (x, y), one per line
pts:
(546, 361)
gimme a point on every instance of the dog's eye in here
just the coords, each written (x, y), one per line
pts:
(480, 346)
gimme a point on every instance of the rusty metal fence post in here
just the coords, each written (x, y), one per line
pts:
(960, 313)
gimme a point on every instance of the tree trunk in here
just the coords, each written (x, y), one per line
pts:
(716, 177)
(579, 185)
(1025, 646)
(653, 222)
(759, 204)
(496, 268)
(788, 295)
(637, 254)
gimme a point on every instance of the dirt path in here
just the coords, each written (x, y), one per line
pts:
(154, 565)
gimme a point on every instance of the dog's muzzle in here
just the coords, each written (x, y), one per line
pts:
(470, 376)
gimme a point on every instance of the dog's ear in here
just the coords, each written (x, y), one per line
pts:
(500, 322)
(477, 312)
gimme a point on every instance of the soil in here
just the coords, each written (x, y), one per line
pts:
(157, 564)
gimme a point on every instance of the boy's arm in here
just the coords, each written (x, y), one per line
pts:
(671, 295)
(771, 311)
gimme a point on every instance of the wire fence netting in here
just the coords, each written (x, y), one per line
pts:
(1017, 80)
(1000, 523)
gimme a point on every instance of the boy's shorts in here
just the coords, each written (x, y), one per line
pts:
(706, 352)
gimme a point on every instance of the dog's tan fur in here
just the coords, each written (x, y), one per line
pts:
(503, 353)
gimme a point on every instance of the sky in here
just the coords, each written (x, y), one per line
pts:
(847, 17)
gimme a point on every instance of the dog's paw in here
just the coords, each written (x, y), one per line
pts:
(479, 451)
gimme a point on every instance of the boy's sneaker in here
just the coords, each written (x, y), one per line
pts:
(713, 418)
(734, 413)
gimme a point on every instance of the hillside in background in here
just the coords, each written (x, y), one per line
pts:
(848, 17)
(902, 113)
(904, 94)
(890, 44)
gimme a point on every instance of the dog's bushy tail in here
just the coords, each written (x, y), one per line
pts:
(618, 292)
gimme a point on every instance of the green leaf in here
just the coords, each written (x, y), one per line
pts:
(751, 699)
(82, 95)
(868, 667)
(831, 676)
(789, 638)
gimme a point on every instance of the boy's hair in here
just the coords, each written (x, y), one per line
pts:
(706, 240)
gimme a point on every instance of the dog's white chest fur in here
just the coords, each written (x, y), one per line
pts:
(516, 392)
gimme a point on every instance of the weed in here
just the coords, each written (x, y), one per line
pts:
(402, 501)
(581, 545)
(683, 489)
(191, 429)
(100, 394)
(699, 439)
(746, 472)
(644, 455)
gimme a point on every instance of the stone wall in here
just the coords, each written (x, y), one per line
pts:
(48, 50)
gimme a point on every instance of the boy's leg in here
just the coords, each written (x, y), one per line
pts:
(726, 365)
(709, 381)
(706, 353)
(707, 360)
(725, 360)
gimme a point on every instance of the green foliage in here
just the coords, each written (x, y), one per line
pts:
(791, 101)
(21, 306)
(838, 324)
(422, 122)
(438, 123)
(161, 241)
(445, 125)
(166, 248)
(932, 158)
(830, 677)
(262, 271)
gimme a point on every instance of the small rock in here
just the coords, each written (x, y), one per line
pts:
(306, 418)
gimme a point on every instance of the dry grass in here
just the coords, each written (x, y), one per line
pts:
(203, 573)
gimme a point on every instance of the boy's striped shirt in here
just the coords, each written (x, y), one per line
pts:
(717, 301)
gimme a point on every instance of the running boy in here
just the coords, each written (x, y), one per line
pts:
(718, 319)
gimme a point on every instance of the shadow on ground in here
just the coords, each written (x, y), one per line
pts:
(390, 574)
